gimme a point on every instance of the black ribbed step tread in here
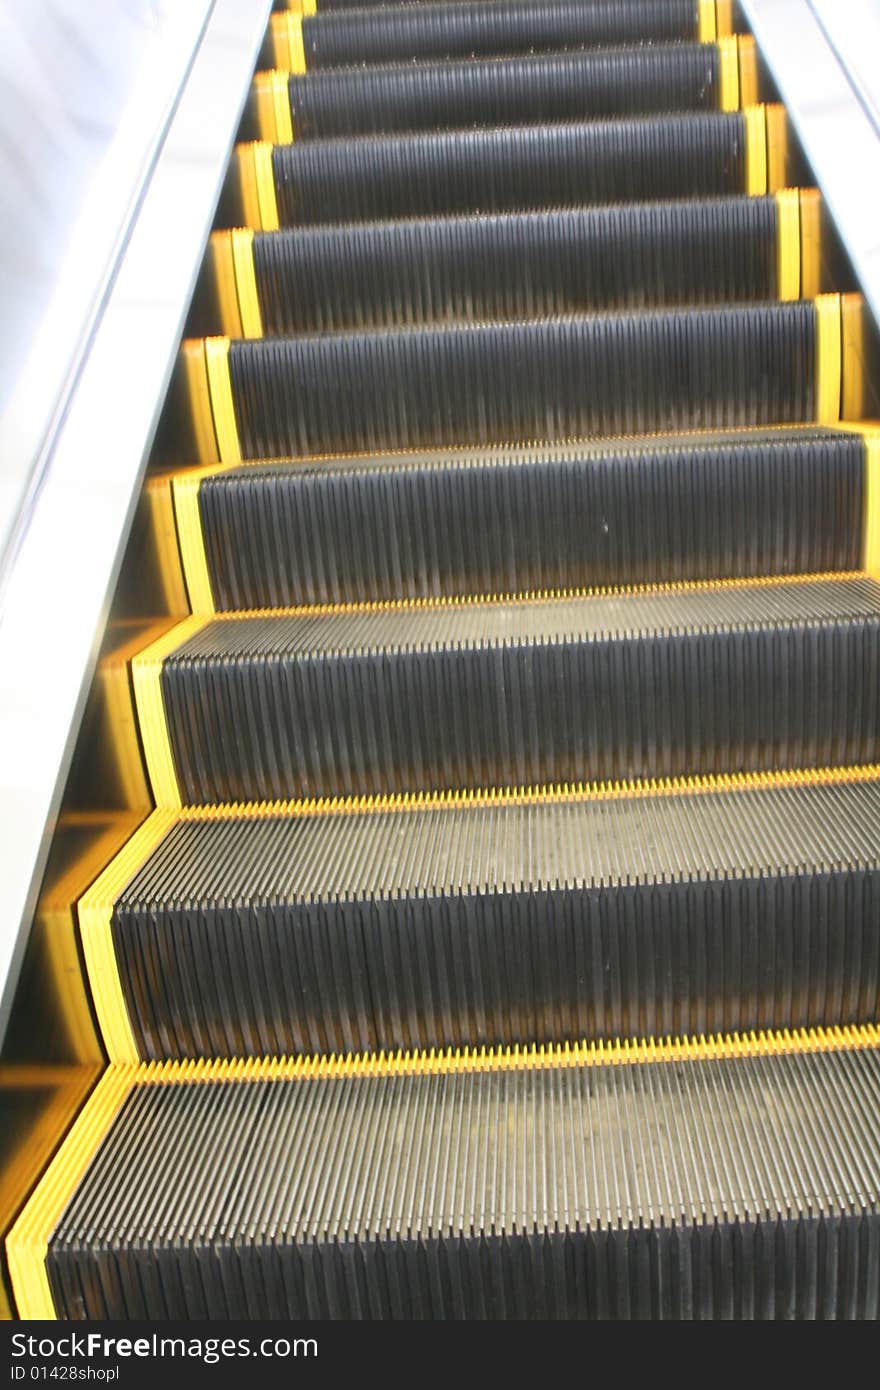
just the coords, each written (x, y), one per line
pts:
(779, 674)
(524, 519)
(740, 1187)
(516, 265)
(464, 30)
(640, 916)
(431, 387)
(515, 168)
(506, 91)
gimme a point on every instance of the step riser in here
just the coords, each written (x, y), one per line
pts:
(654, 960)
(513, 523)
(550, 88)
(525, 715)
(513, 169)
(320, 280)
(548, 380)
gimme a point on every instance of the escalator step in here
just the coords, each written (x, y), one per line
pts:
(512, 520)
(521, 265)
(746, 676)
(465, 30)
(623, 913)
(510, 91)
(729, 1179)
(553, 379)
(695, 155)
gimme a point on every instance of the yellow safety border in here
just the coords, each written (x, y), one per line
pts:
(27, 1244)
(192, 541)
(220, 387)
(728, 75)
(288, 49)
(852, 329)
(777, 147)
(546, 1057)
(281, 103)
(551, 794)
(119, 725)
(264, 102)
(28, 1149)
(533, 596)
(246, 282)
(706, 22)
(192, 356)
(788, 244)
(828, 358)
(247, 182)
(756, 150)
(811, 242)
(223, 273)
(265, 181)
(723, 18)
(56, 931)
(146, 673)
(163, 531)
(748, 70)
(95, 911)
(272, 99)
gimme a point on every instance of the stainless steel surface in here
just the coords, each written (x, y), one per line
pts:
(829, 111)
(67, 551)
(87, 94)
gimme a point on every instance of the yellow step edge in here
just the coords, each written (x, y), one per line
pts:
(95, 910)
(28, 1241)
(245, 165)
(272, 100)
(728, 75)
(828, 358)
(225, 289)
(854, 368)
(265, 176)
(195, 375)
(756, 150)
(246, 282)
(185, 488)
(691, 438)
(117, 726)
(707, 28)
(811, 244)
(28, 1149)
(788, 244)
(283, 114)
(222, 406)
(146, 673)
(777, 147)
(288, 50)
(747, 55)
(723, 18)
(162, 524)
(573, 793)
(257, 185)
(264, 102)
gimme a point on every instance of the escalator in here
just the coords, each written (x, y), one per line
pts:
(493, 930)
